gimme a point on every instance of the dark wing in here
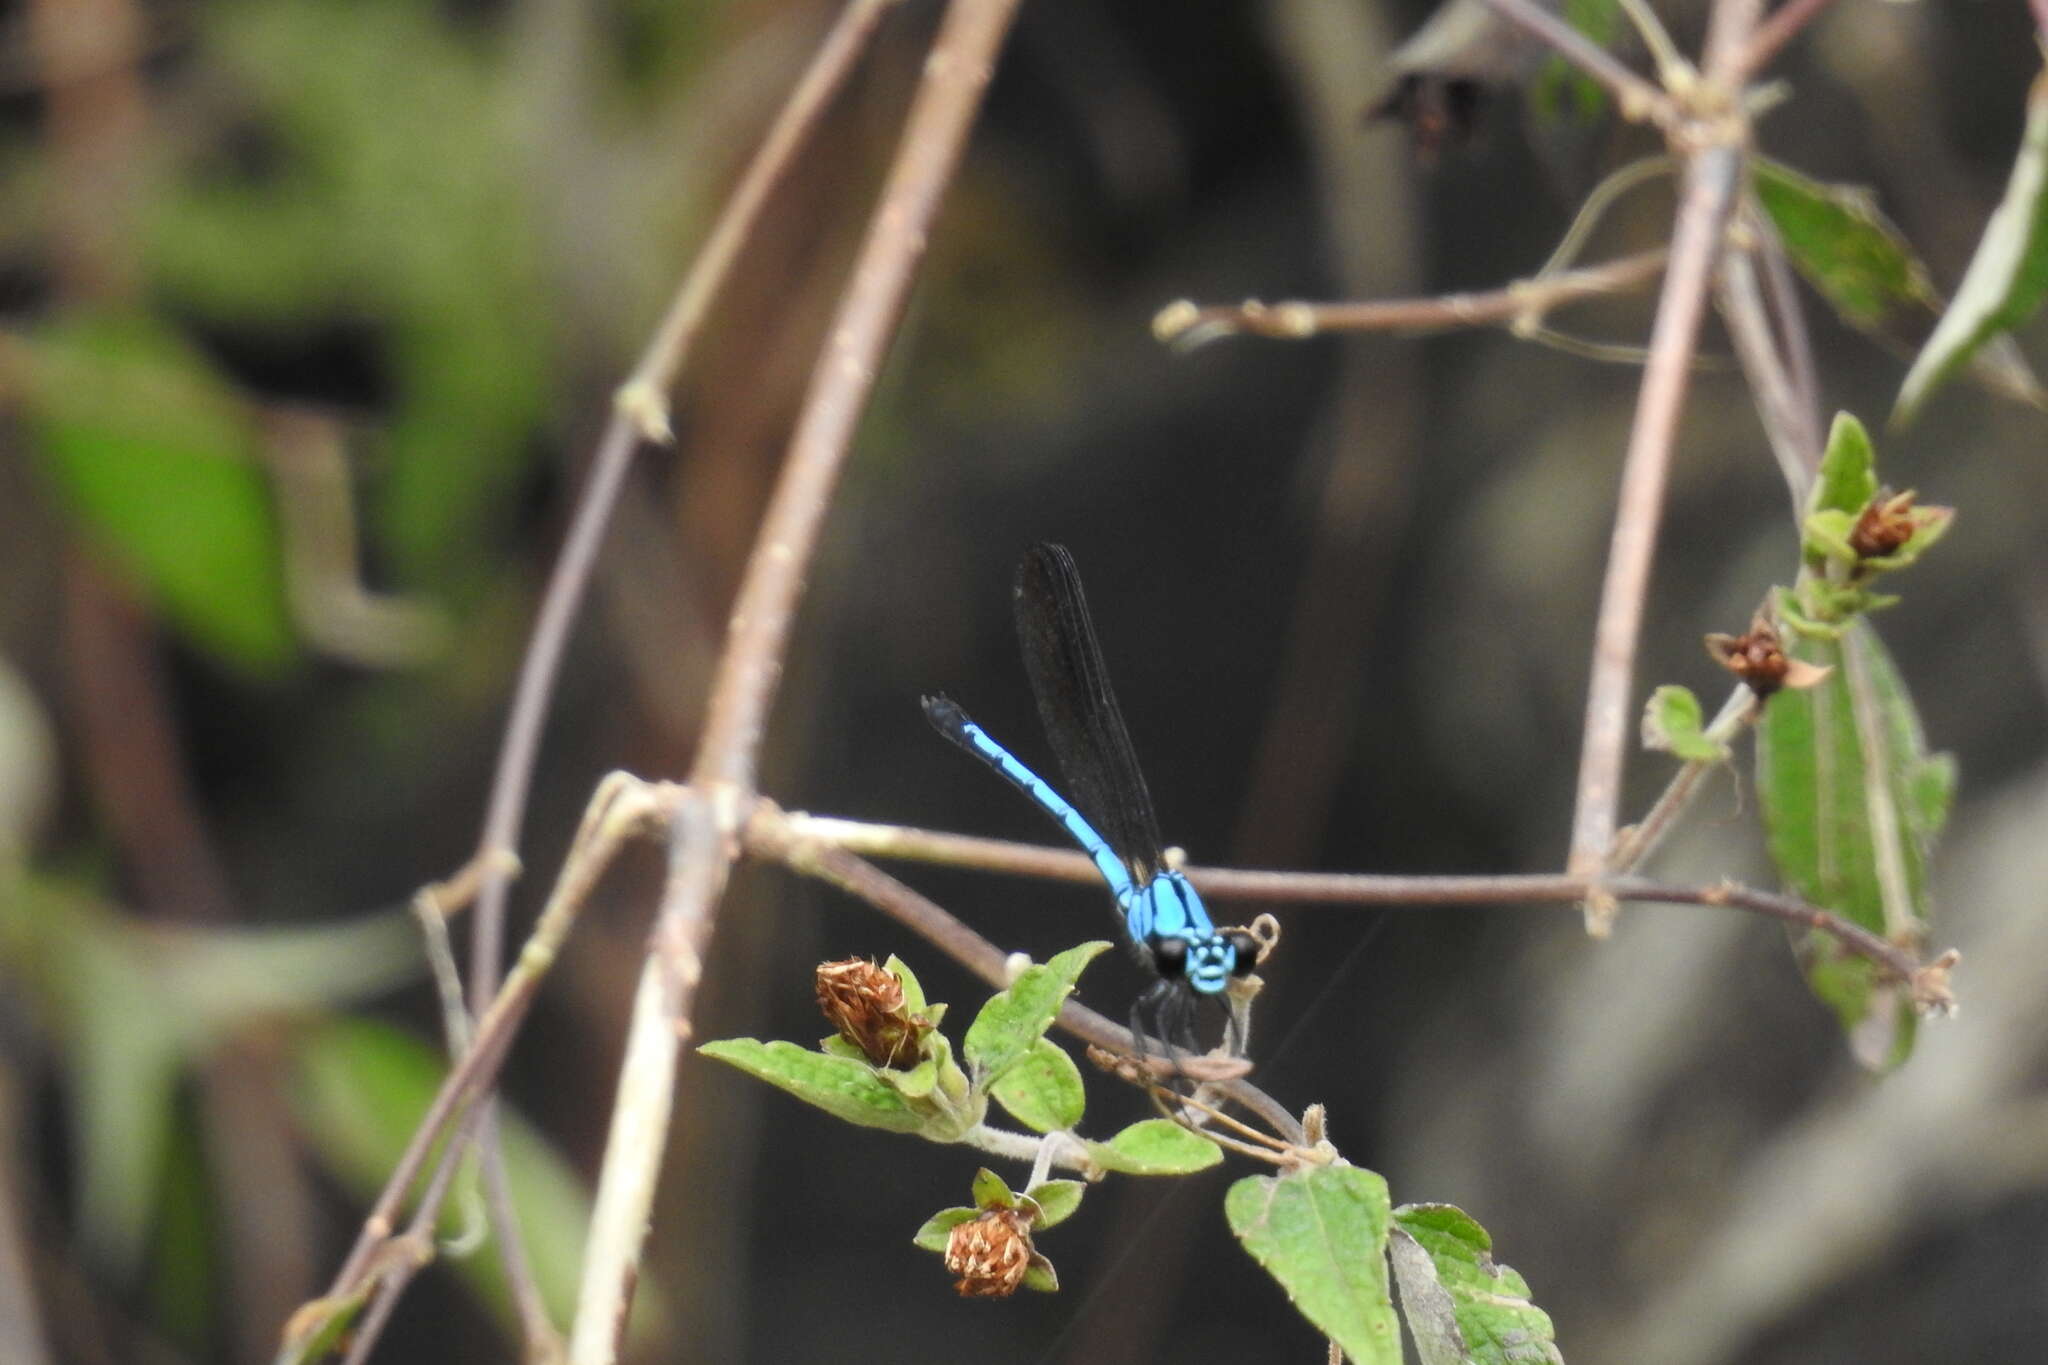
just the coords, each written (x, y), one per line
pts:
(1078, 709)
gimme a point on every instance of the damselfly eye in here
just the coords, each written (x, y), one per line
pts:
(1247, 952)
(1170, 955)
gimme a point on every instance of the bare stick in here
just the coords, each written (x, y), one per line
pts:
(640, 411)
(1696, 243)
(622, 808)
(644, 397)
(1521, 305)
(1786, 23)
(1788, 422)
(956, 73)
(803, 841)
(1637, 99)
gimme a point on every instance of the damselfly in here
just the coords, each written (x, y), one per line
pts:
(1165, 923)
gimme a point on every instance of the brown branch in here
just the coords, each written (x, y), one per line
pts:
(1711, 182)
(639, 412)
(622, 808)
(955, 75)
(1785, 24)
(1637, 99)
(1519, 304)
(949, 95)
(793, 838)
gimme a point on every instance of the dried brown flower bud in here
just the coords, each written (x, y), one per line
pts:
(1885, 525)
(1758, 658)
(990, 1254)
(865, 1004)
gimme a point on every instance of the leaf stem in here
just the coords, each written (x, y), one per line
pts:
(1637, 99)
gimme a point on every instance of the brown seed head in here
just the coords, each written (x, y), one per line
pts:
(990, 1254)
(865, 1004)
(1885, 525)
(1758, 658)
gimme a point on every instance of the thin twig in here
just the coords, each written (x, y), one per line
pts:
(1788, 422)
(621, 809)
(1519, 304)
(1795, 342)
(1703, 213)
(639, 412)
(1637, 99)
(1786, 23)
(1640, 840)
(955, 75)
(645, 396)
(804, 842)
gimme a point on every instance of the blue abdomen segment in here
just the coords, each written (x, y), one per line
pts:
(1165, 914)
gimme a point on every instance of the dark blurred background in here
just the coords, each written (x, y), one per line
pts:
(267, 266)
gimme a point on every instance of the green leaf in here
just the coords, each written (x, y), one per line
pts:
(990, 1191)
(1057, 1201)
(939, 1227)
(1039, 1275)
(913, 993)
(1848, 470)
(1852, 803)
(841, 1087)
(1559, 91)
(1863, 267)
(1156, 1147)
(150, 450)
(2008, 275)
(1674, 723)
(1461, 1308)
(1042, 1090)
(1321, 1231)
(359, 1090)
(1012, 1021)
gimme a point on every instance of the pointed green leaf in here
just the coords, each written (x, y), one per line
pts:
(1462, 1308)
(1042, 1090)
(990, 1192)
(1057, 1201)
(1155, 1147)
(1015, 1019)
(1852, 803)
(841, 1087)
(939, 1227)
(1321, 1231)
(148, 446)
(1863, 267)
(1673, 723)
(1039, 1276)
(1848, 469)
(2008, 275)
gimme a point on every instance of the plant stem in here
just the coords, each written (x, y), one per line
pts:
(955, 75)
(1637, 99)
(809, 844)
(1703, 213)
(1519, 304)
(1786, 23)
